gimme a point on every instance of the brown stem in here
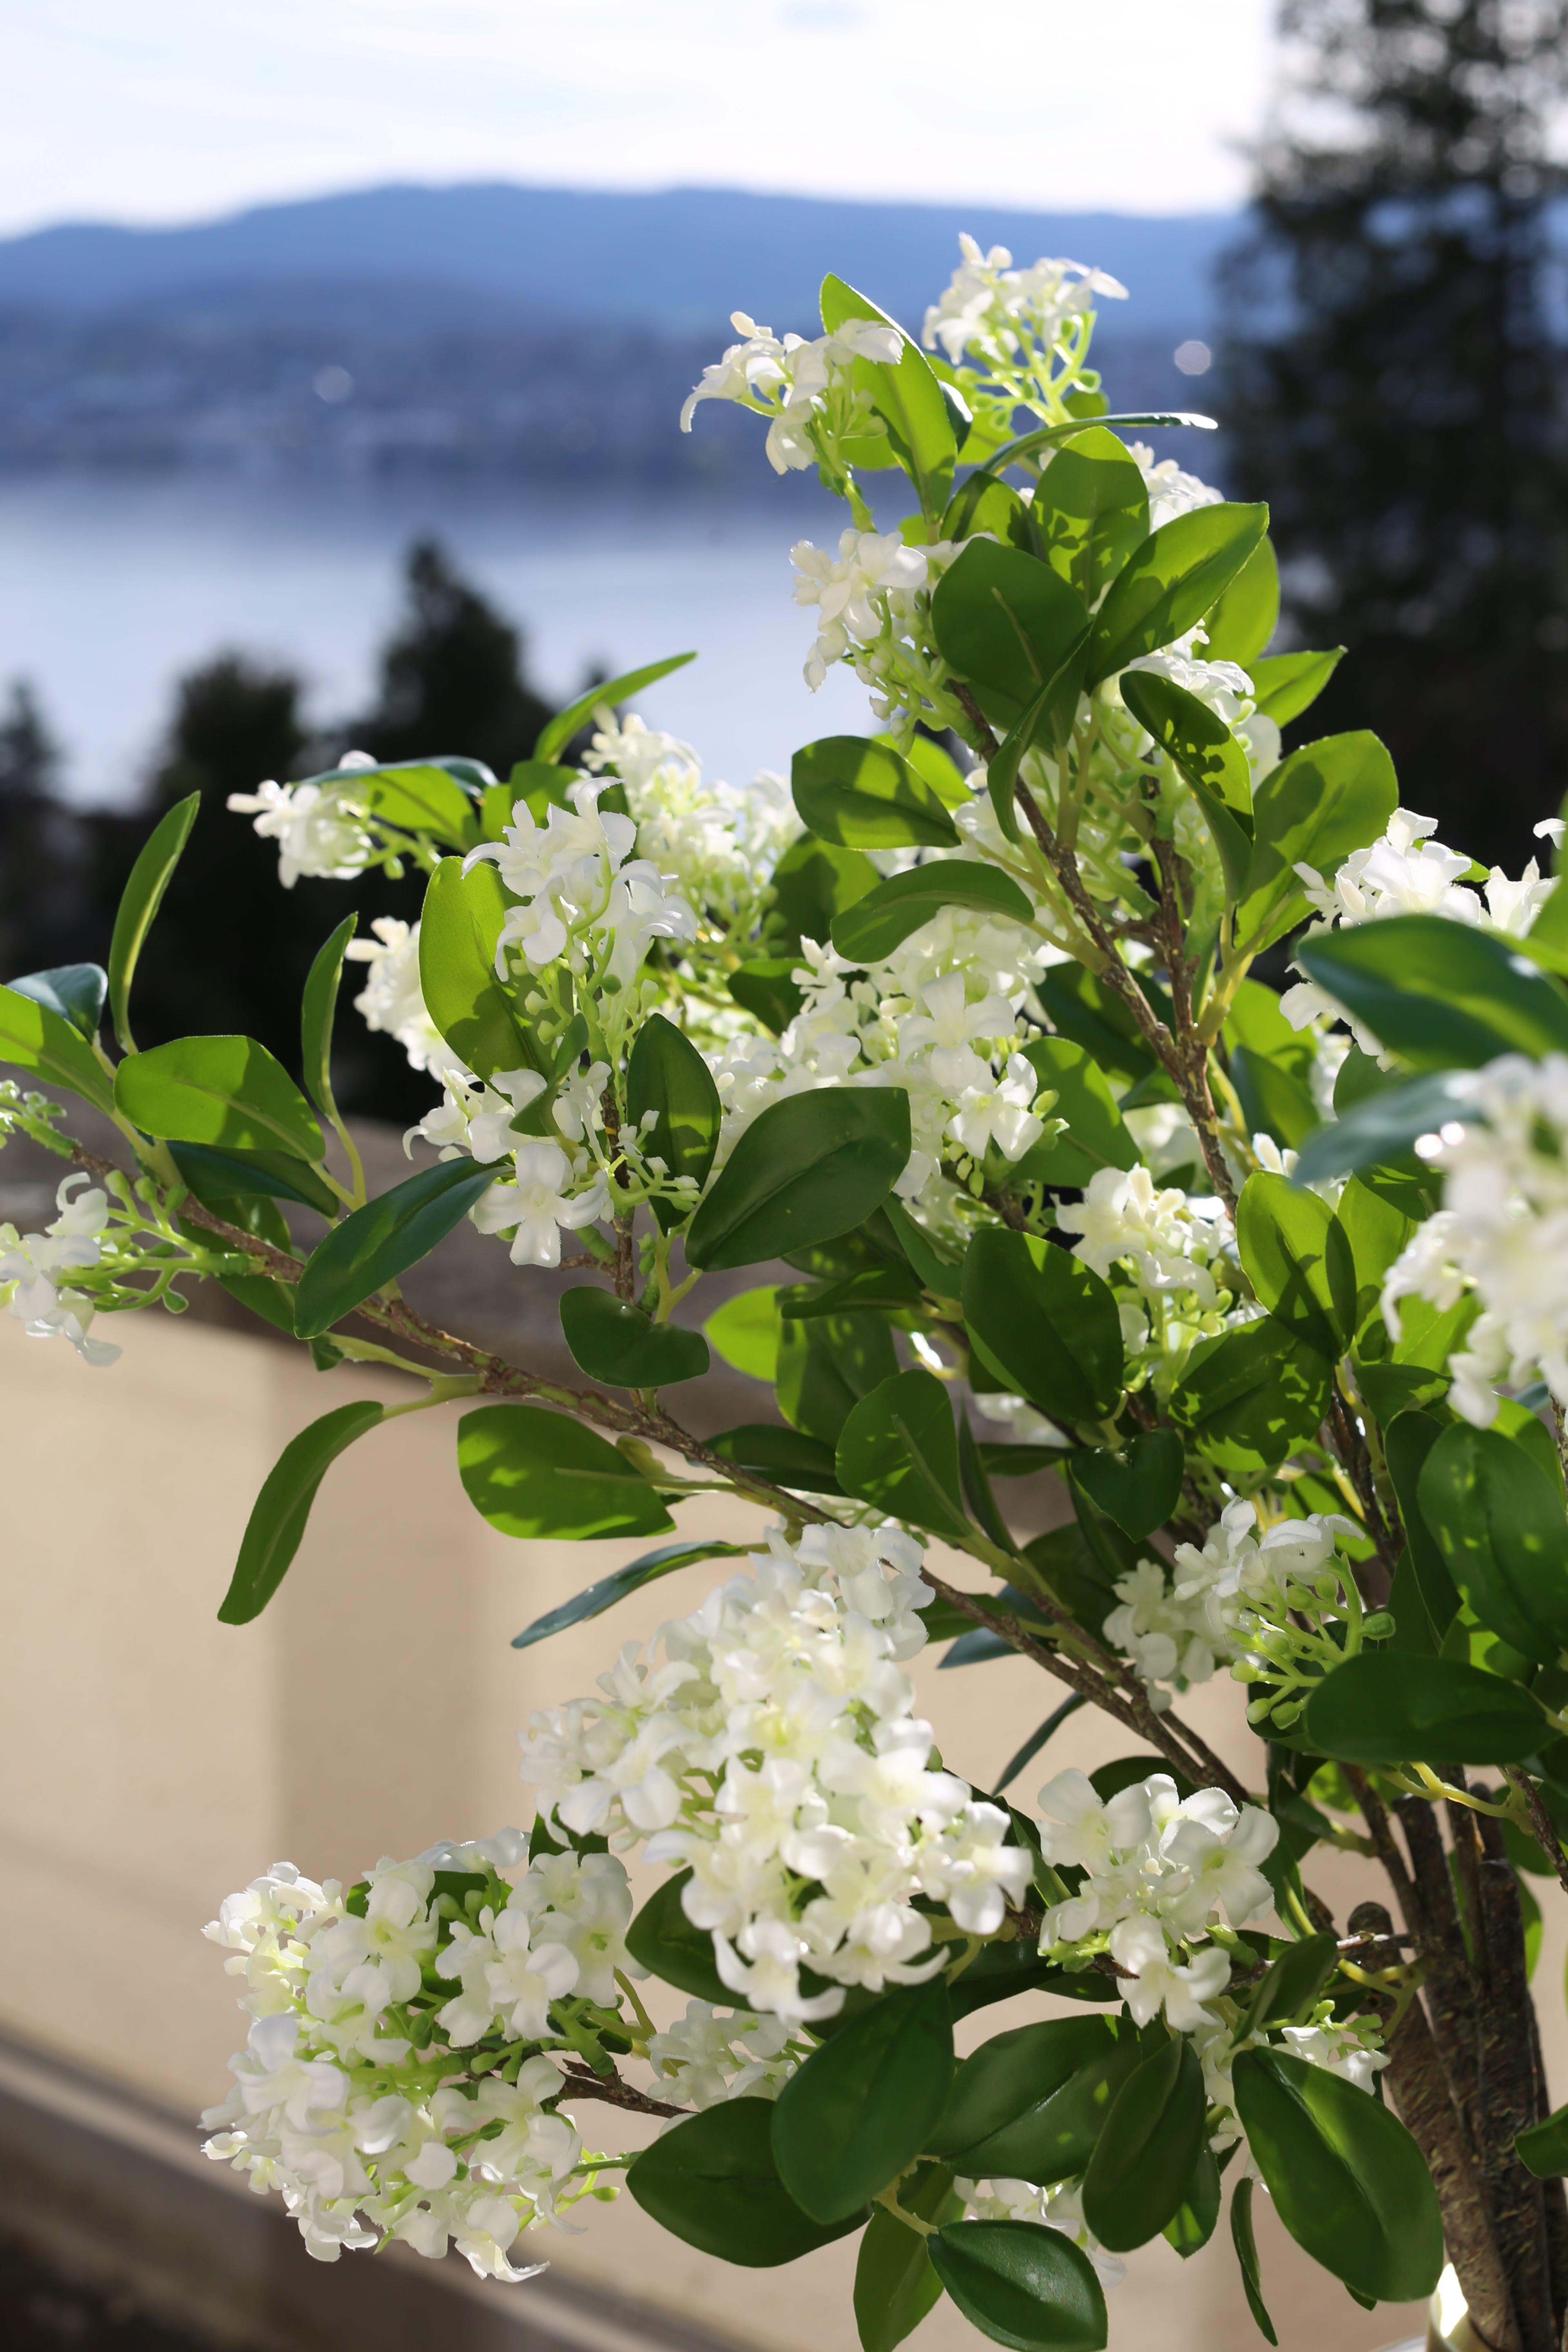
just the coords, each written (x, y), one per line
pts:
(1375, 1582)
(1450, 1978)
(581, 2084)
(1508, 2089)
(1541, 1821)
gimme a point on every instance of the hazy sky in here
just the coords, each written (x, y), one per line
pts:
(173, 110)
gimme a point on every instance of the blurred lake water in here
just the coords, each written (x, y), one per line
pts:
(113, 584)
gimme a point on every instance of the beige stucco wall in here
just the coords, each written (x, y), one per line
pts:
(151, 1759)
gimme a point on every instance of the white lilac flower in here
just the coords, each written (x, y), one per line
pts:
(710, 2055)
(796, 1663)
(1168, 1242)
(392, 999)
(35, 1268)
(538, 1205)
(865, 597)
(989, 307)
(317, 830)
(581, 890)
(1171, 491)
(799, 385)
(718, 844)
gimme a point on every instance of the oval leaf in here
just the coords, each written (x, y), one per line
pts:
(875, 925)
(1045, 1322)
(1398, 1708)
(595, 1599)
(899, 1450)
(1005, 621)
(895, 2285)
(1438, 994)
(74, 991)
(712, 2182)
(624, 1348)
(863, 795)
(1499, 1523)
(459, 925)
(1055, 2134)
(222, 1090)
(278, 1519)
(554, 738)
(805, 1170)
(34, 1037)
(1145, 2158)
(1022, 2285)
(1005, 2079)
(666, 1075)
(139, 902)
(784, 1457)
(1138, 1489)
(380, 1241)
(863, 2104)
(317, 1008)
(533, 1473)
(662, 1939)
(1170, 582)
(1299, 1264)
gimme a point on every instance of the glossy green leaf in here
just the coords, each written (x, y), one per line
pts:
(1439, 994)
(1209, 758)
(1031, 1748)
(1407, 1441)
(555, 737)
(666, 1075)
(1022, 2285)
(1285, 684)
(1543, 2149)
(935, 767)
(1192, 2224)
(1091, 510)
(1270, 1068)
(899, 1450)
(459, 926)
(828, 1365)
(813, 881)
(139, 902)
(890, 1287)
(1095, 1017)
(34, 1037)
(895, 2285)
(712, 2182)
(1170, 582)
(1097, 1136)
(1381, 1127)
(1046, 1323)
(1246, 2244)
(533, 1473)
(1145, 2156)
(1139, 1487)
(1347, 2180)
(1298, 1262)
(1046, 720)
(1396, 1708)
(1006, 622)
(881, 920)
(317, 1007)
(1293, 1982)
(1497, 1520)
(997, 2092)
(745, 1332)
(1247, 1397)
(621, 1345)
(805, 1170)
(223, 1090)
(784, 1457)
(865, 795)
(1053, 2135)
(595, 1599)
(1326, 800)
(864, 2104)
(374, 1246)
(662, 1939)
(278, 1517)
(907, 398)
(1241, 624)
(73, 991)
(766, 990)
(213, 1176)
(420, 798)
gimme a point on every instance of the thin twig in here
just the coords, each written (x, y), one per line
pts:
(581, 2084)
(1541, 1821)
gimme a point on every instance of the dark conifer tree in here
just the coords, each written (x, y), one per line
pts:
(452, 677)
(1394, 385)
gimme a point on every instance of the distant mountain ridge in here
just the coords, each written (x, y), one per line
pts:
(675, 262)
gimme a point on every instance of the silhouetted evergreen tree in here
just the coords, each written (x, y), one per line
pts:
(452, 679)
(1394, 385)
(41, 908)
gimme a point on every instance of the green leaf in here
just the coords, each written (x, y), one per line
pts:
(1249, 1395)
(1394, 1707)
(317, 1008)
(662, 1939)
(891, 1286)
(932, 765)
(1036, 1740)
(621, 1345)
(828, 1365)
(1381, 1127)
(895, 2285)
(989, 2119)
(1138, 1489)
(864, 795)
(1407, 1441)
(745, 1332)
(1055, 2132)
(1498, 1521)
(554, 738)
(1091, 510)
(899, 1450)
(1047, 719)
(532, 1473)
(711, 2181)
(1170, 582)
(277, 1519)
(1085, 1009)
(1192, 2226)
(1097, 1136)
(222, 1090)
(1326, 800)
(766, 990)
(595, 1599)
(1284, 685)
(420, 798)
(1241, 624)
(869, 931)
(784, 1457)
(1374, 1226)
(805, 1170)
(1245, 2246)
(1294, 1982)
(1543, 2149)
(1007, 624)
(813, 881)
(139, 902)
(907, 398)
(666, 1075)
(374, 1244)
(1146, 2155)
(460, 926)
(213, 1176)
(73, 991)
(1022, 2285)
(1348, 2182)
(1437, 994)
(1298, 1262)
(1207, 755)
(1045, 1323)
(34, 1037)
(864, 2104)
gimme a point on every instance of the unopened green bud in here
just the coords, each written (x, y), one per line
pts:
(1378, 1628)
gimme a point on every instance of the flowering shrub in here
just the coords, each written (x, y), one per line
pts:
(960, 1040)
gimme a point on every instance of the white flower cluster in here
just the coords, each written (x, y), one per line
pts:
(710, 2055)
(1501, 1233)
(1173, 491)
(1157, 1870)
(992, 310)
(351, 2101)
(717, 845)
(803, 387)
(318, 831)
(1231, 1602)
(35, 1270)
(767, 1745)
(585, 900)
(392, 1000)
(1178, 1249)
(873, 605)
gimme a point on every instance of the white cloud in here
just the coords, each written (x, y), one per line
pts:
(174, 110)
